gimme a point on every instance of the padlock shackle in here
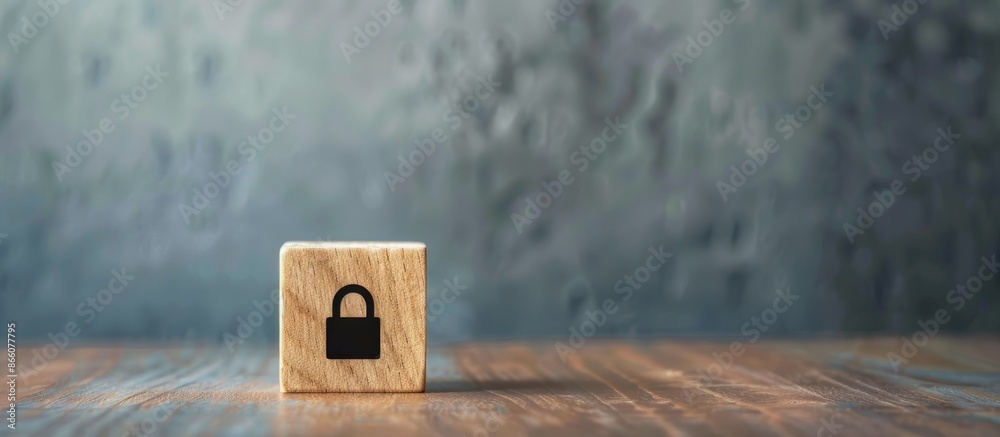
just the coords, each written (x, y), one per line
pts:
(354, 288)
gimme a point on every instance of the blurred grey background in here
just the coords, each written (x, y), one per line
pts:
(559, 73)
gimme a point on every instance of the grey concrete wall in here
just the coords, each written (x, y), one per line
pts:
(538, 84)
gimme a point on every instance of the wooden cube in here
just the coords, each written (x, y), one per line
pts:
(312, 274)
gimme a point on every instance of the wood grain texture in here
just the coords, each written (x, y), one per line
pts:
(311, 274)
(784, 388)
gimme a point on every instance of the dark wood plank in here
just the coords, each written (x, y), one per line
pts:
(951, 387)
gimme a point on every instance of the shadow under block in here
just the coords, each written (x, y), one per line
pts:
(311, 275)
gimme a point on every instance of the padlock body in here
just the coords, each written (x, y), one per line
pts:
(353, 338)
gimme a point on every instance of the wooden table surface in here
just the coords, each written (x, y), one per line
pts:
(788, 387)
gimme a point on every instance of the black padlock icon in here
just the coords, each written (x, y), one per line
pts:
(353, 338)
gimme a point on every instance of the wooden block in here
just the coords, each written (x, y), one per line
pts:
(312, 274)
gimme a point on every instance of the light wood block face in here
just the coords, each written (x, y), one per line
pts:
(395, 274)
